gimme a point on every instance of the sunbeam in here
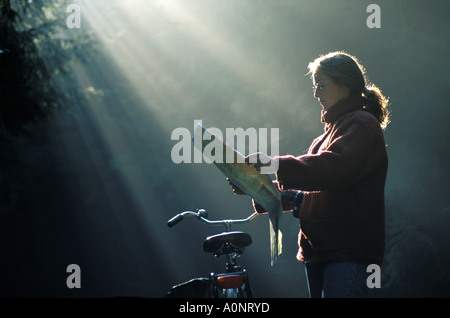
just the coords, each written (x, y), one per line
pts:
(88, 112)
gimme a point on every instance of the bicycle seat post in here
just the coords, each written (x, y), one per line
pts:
(230, 251)
(231, 265)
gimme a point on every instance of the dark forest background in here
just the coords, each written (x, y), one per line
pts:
(86, 115)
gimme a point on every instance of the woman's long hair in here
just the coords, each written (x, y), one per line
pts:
(345, 70)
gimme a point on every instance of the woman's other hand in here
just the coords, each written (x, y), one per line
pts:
(236, 190)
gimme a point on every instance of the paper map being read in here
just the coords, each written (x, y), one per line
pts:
(253, 183)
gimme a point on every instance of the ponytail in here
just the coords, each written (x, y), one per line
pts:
(377, 104)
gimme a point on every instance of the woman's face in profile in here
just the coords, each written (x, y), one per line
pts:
(327, 91)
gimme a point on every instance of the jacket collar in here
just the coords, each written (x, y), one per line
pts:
(342, 107)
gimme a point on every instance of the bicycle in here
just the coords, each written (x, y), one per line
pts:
(234, 283)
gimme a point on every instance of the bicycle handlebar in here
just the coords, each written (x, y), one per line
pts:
(176, 219)
(203, 216)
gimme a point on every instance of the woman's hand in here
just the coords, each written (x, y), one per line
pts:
(238, 191)
(259, 159)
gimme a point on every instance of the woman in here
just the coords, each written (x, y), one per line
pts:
(342, 178)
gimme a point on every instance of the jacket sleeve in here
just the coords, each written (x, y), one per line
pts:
(354, 148)
(287, 206)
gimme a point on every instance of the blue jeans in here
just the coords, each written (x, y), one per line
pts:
(337, 280)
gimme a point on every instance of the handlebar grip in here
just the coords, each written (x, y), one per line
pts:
(176, 219)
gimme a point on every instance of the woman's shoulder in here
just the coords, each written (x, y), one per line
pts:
(359, 118)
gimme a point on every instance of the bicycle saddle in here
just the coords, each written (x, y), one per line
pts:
(227, 242)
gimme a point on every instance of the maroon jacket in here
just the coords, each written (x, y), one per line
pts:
(343, 177)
